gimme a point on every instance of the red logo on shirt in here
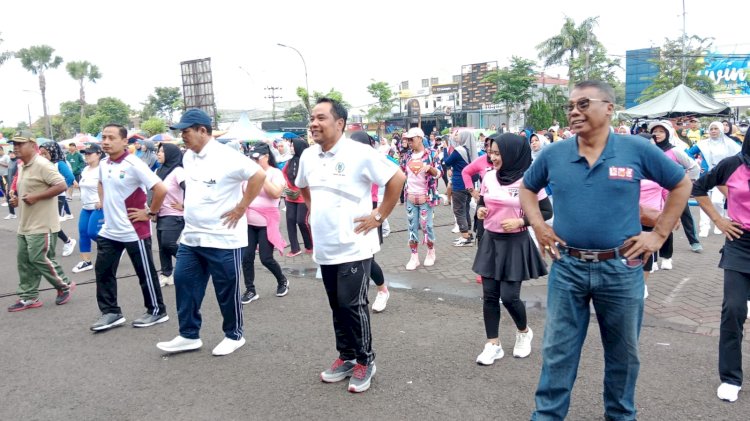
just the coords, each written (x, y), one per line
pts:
(620, 173)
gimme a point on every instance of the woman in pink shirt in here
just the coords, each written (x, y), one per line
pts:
(263, 222)
(170, 220)
(507, 256)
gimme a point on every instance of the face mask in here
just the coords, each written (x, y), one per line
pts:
(743, 129)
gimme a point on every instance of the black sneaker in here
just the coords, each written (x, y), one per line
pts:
(149, 319)
(64, 296)
(249, 296)
(361, 377)
(464, 242)
(108, 321)
(283, 288)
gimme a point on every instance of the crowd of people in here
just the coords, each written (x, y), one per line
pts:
(519, 197)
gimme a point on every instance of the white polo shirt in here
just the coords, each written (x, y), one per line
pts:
(123, 182)
(213, 186)
(340, 182)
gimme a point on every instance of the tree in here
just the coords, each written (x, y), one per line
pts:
(82, 71)
(108, 110)
(670, 73)
(513, 83)
(382, 92)
(296, 113)
(37, 59)
(163, 102)
(154, 126)
(70, 112)
(595, 66)
(539, 115)
(555, 98)
(570, 42)
(8, 132)
(333, 94)
(5, 55)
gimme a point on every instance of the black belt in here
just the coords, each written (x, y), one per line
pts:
(595, 255)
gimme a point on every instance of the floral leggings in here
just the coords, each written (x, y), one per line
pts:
(420, 216)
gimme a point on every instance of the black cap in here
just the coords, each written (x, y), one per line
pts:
(258, 150)
(192, 117)
(92, 148)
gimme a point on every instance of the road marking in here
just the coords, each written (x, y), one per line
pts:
(676, 291)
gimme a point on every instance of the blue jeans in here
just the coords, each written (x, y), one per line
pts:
(617, 293)
(194, 266)
(420, 216)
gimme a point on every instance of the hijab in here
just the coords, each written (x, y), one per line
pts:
(55, 152)
(292, 165)
(172, 160)
(516, 154)
(665, 144)
(149, 156)
(543, 141)
(466, 139)
(729, 131)
(718, 148)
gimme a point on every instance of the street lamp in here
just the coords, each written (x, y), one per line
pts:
(303, 63)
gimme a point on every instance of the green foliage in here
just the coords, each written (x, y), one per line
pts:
(670, 67)
(5, 55)
(383, 94)
(8, 132)
(600, 67)
(445, 131)
(108, 110)
(539, 115)
(310, 102)
(296, 113)
(22, 125)
(555, 98)
(163, 103)
(38, 58)
(572, 41)
(154, 126)
(513, 83)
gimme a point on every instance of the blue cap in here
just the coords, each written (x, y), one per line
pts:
(192, 117)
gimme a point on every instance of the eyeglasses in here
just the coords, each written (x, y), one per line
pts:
(582, 104)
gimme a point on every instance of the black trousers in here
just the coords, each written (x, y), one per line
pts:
(510, 293)
(346, 286)
(168, 230)
(733, 315)
(688, 225)
(257, 237)
(296, 216)
(108, 253)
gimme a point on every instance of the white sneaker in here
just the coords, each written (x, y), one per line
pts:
(645, 291)
(83, 266)
(228, 346)
(666, 264)
(455, 229)
(69, 247)
(61, 219)
(430, 259)
(522, 349)
(69, 217)
(654, 267)
(491, 353)
(703, 233)
(11, 216)
(4, 204)
(413, 262)
(748, 309)
(728, 392)
(166, 280)
(180, 344)
(717, 231)
(380, 301)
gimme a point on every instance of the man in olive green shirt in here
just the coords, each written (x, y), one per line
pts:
(36, 192)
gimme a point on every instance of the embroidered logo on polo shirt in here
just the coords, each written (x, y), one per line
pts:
(210, 182)
(339, 168)
(513, 191)
(620, 173)
(122, 174)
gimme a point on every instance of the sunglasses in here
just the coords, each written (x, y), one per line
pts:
(582, 104)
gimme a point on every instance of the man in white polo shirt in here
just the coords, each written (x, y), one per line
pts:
(127, 226)
(336, 176)
(215, 233)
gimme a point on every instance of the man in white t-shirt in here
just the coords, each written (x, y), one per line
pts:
(214, 235)
(336, 177)
(123, 179)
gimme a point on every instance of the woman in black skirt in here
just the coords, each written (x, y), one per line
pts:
(507, 255)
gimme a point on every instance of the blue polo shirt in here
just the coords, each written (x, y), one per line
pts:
(597, 207)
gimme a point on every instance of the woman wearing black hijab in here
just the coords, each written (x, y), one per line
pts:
(170, 220)
(507, 256)
(734, 173)
(296, 210)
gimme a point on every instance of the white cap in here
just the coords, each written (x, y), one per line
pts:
(414, 132)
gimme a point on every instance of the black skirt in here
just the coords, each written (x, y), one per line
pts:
(735, 255)
(508, 257)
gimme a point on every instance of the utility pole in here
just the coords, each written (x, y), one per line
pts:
(684, 53)
(273, 99)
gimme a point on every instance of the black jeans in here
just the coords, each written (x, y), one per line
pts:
(688, 225)
(257, 237)
(510, 293)
(168, 230)
(461, 209)
(346, 286)
(108, 253)
(733, 316)
(296, 216)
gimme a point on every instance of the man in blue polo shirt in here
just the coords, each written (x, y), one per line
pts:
(597, 247)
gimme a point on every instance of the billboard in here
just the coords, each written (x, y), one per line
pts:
(198, 86)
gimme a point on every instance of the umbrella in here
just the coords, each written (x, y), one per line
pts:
(161, 137)
(135, 137)
(289, 135)
(86, 138)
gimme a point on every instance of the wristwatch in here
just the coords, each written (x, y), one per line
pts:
(378, 216)
(152, 213)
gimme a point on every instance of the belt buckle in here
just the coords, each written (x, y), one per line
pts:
(590, 257)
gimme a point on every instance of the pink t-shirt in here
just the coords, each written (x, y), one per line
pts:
(652, 195)
(502, 202)
(416, 183)
(175, 194)
(263, 200)
(478, 166)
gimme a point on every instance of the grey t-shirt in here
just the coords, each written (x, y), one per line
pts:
(4, 162)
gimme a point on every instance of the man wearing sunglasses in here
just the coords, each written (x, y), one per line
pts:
(597, 247)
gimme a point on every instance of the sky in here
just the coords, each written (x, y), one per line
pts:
(138, 45)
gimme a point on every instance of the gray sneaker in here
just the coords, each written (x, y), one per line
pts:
(361, 376)
(149, 320)
(108, 321)
(339, 370)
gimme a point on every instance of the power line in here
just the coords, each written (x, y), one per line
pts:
(273, 97)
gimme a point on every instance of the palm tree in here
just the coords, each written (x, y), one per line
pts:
(81, 71)
(37, 59)
(570, 41)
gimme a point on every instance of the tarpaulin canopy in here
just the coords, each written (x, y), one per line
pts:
(243, 131)
(680, 101)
